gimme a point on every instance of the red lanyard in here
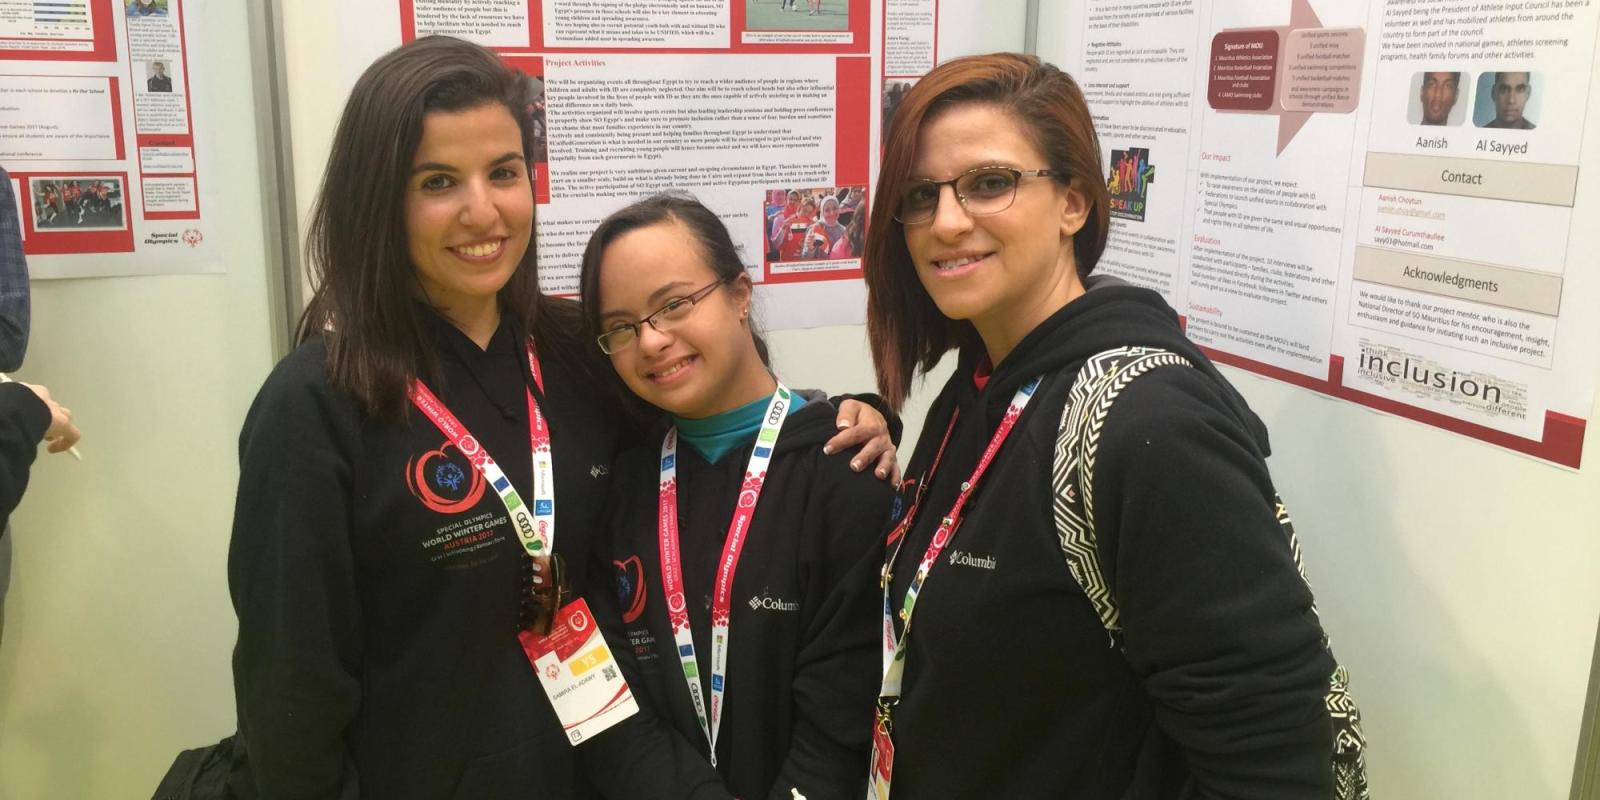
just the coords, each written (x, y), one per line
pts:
(755, 477)
(536, 528)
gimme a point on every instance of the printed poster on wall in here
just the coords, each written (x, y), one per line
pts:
(97, 133)
(763, 109)
(1372, 199)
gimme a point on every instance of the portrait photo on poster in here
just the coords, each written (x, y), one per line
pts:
(147, 8)
(1509, 100)
(157, 79)
(1438, 98)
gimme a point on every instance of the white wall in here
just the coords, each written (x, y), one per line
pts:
(1460, 582)
(118, 626)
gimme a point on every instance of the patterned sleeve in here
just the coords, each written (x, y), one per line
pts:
(14, 308)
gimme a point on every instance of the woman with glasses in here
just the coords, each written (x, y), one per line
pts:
(1001, 678)
(745, 554)
(424, 476)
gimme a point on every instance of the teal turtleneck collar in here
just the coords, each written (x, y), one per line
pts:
(717, 435)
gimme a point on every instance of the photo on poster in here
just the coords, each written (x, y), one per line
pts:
(147, 8)
(1131, 174)
(894, 91)
(157, 78)
(1508, 100)
(534, 89)
(797, 15)
(1438, 98)
(818, 224)
(84, 203)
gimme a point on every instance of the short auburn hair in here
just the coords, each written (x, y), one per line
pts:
(907, 332)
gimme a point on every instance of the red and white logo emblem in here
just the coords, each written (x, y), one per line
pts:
(193, 237)
(675, 603)
(578, 622)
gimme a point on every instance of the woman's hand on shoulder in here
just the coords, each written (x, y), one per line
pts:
(861, 424)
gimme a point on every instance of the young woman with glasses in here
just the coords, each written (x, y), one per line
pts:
(745, 554)
(417, 473)
(1002, 680)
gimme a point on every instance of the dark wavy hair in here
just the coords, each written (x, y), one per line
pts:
(704, 226)
(907, 332)
(364, 306)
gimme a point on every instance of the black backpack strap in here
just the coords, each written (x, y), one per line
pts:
(1096, 387)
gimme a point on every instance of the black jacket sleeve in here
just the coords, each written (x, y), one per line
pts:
(838, 665)
(1218, 623)
(23, 420)
(291, 577)
(641, 756)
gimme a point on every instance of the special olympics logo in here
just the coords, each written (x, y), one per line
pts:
(432, 476)
(630, 587)
(552, 672)
(193, 237)
(449, 475)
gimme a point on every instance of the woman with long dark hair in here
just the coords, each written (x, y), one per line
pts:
(1133, 627)
(403, 469)
(746, 554)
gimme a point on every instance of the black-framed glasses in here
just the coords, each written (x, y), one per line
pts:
(623, 334)
(980, 190)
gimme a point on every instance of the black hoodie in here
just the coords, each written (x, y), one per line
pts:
(377, 586)
(1011, 686)
(803, 656)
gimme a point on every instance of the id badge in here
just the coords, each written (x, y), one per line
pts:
(579, 674)
(882, 764)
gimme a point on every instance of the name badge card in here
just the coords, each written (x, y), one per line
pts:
(579, 674)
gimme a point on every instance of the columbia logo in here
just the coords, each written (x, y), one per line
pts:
(768, 603)
(961, 559)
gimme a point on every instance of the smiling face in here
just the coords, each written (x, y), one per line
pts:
(706, 361)
(1438, 96)
(468, 208)
(1004, 272)
(830, 211)
(1511, 90)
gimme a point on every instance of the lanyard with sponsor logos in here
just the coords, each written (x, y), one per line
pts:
(755, 476)
(894, 648)
(536, 527)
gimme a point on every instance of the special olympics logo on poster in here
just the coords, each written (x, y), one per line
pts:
(1129, 182)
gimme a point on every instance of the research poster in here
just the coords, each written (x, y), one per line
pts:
(1372, 199)
(98, 134)
(766, 110)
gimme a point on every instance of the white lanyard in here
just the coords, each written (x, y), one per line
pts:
(755, 477)
(536, 528)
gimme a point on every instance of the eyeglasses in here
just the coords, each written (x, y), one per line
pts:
(981, 191)
(544, 591)
(623, 334)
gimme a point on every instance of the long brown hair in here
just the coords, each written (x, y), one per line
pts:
(907, 331)
(364, 307)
